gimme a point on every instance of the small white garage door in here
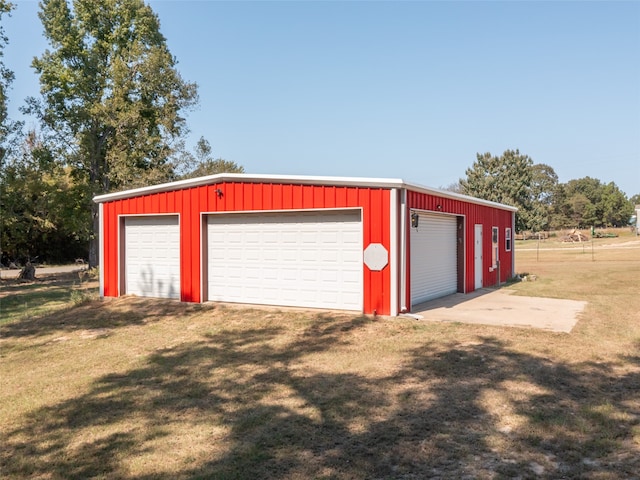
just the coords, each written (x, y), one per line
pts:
(434, 266)
(152, 256)
(304, 259)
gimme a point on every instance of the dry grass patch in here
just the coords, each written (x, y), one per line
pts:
(138, 389)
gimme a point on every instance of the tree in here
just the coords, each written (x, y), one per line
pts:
(635, 200)
(203, 162)
(39, 202)
(543, 191)
(588, 202)
(7, 127)
(111, 96)
(454, 187)
(505, 179)
(615, 207)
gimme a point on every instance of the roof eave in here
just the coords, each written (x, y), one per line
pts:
(295, 179)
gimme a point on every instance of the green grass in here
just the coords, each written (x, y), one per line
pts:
(135, 388)
(21, 301)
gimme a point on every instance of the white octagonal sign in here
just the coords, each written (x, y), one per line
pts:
(376, 257)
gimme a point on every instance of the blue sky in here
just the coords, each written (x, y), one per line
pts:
(409, 90)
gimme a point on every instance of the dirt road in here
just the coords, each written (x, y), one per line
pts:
(5, 274)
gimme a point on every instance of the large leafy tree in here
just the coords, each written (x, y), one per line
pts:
(203, 162)
(544, 193)
(587, 202)
(505, 179)
(7, 127)
(112, 97)
(40, 215)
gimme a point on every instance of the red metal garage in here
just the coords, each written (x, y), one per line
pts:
(371, 245)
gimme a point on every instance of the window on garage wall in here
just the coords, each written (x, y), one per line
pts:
(494, 247)
(507, 239)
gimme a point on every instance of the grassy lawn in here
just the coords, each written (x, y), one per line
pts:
(133, 388)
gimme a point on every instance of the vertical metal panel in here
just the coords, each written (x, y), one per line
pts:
(276, 201)
(111, 250)
(187, 253)
(109, 268)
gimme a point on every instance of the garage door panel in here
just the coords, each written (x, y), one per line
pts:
(300, 259)
(433, 257)
(152, 256)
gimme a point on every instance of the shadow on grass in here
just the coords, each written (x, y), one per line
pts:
(33, 302)
(429, 419)
(65, 307)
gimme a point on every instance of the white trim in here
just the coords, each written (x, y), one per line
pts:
(204, 292)
(478, 271)
(393, 244)
(123, 281)
(513, 245)
(495, 247)
(170, 214)
(507, 238)
(422, 288)
(284, 210)
(326, 213)
(362, 182)
(204, 256)
(464, 253)
(121, 223)
(403, 251)
(101, 249)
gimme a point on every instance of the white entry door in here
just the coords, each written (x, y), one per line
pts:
(477, 256)
(152, 256)
(304, 259)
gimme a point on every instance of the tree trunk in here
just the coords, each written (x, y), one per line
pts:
(94, 242)
(28, 272)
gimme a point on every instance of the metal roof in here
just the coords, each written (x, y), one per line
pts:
(296, 180)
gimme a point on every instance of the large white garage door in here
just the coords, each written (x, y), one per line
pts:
(433, 262)
(152, 256)
(305, 259)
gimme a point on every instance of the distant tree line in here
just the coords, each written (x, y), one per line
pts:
(543, 202)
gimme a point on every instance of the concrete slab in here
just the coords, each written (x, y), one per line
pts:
(500, 307)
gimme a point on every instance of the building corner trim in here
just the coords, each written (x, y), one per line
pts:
(393, 220)
(101, 248)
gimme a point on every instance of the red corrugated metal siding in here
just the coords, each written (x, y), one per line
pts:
(191, 202)
(474, 214)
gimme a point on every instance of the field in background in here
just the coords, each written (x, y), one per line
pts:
(137, 389)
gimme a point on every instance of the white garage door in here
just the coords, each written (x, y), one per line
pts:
(305, 259)
(152, 256)
(434, 267)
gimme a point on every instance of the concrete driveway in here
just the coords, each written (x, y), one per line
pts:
(500, 307)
